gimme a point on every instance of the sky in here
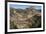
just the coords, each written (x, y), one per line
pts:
(23, 6)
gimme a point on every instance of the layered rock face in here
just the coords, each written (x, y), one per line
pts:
(27, 18)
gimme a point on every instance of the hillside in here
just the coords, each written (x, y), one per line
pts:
(25, 18)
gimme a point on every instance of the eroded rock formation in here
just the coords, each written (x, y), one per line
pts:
(24, 19)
